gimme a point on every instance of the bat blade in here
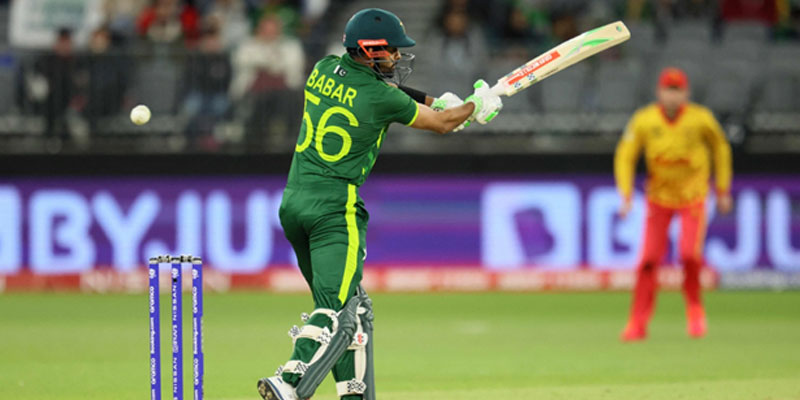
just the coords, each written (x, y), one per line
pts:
(562, 56)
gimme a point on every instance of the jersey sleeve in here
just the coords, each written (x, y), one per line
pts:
(626, 156)
(392, 105)
(720, 152)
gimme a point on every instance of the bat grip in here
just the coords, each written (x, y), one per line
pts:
(498, 89)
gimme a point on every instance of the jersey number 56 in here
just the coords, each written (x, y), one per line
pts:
(323, 129)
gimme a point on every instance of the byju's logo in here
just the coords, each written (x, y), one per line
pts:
(530, 224)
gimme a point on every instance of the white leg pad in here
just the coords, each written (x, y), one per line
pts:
(324, 359)
(359, 345)
(295, 367)
(324, 336)
(353, 386)
(321, 335)
(333, 315)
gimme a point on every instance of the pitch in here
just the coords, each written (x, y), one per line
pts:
(428, 346)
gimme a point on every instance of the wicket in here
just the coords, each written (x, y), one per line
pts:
(176, 273)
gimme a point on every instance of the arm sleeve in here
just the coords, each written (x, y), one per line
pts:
(395, 106)
(418, 95)
(721, 154)
(626, 156)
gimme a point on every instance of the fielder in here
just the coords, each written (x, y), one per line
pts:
(681, 142)
(348, 108)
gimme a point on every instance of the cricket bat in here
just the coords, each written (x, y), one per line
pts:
(562, 56)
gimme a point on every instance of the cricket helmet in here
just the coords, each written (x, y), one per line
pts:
(373, 27)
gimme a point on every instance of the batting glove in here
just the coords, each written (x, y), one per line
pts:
(445, 101)
(487, 104)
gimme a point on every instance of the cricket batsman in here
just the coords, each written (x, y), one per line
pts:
(681, 142)
(348, 109)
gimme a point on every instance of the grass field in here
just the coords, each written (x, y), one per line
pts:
(438, 347)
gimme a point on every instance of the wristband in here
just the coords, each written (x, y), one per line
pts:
(417, 95)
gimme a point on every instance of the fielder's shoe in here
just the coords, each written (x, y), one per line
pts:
(274, 388)
(696, 322)
(633, 332)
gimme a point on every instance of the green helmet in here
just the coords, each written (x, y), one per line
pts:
(375, 27)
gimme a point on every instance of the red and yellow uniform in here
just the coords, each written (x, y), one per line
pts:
(679, 154)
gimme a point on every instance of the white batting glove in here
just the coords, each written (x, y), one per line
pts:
(445, 101)
(449, 100)
(487, 104)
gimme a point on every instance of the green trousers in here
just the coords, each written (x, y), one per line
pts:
(327, 226)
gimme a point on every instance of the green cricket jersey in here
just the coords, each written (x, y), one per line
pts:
(347, 111)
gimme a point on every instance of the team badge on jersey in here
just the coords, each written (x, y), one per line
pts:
(340, 71)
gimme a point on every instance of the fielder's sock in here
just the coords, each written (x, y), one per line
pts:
(696, 321)
(691, 284)
(643, 296)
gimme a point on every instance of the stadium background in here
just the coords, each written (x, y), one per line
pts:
(523, 205)
(88, 196)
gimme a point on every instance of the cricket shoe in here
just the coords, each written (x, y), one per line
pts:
(633, 332)
(274, 388)
(696, 322)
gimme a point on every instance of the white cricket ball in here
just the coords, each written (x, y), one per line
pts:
(140, 114)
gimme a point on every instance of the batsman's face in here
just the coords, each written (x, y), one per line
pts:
(394, 57)
(672, 98)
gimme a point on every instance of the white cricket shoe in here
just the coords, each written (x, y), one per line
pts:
(274, 388)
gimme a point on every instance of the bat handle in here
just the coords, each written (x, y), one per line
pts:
(499, 89)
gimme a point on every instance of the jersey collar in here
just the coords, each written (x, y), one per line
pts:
(348, 62)
(672, 121)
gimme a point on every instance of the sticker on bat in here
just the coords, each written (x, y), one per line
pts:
(532, 67)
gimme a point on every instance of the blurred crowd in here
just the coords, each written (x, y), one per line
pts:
(543, 23)
(210, 62)
(203, 60)
(466, 32)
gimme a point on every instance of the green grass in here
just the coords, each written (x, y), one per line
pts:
(438, 347)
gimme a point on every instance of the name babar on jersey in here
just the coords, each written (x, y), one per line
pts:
(329, 88)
